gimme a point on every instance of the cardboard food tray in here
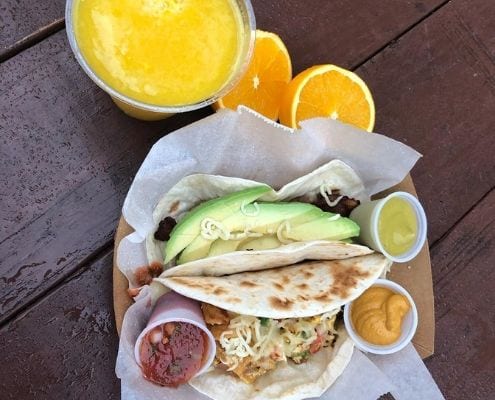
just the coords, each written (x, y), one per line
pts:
(415, 276)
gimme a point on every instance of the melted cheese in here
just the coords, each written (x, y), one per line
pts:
(278, 339)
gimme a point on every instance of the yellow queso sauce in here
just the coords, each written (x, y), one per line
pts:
(377, 315)
(397, 226)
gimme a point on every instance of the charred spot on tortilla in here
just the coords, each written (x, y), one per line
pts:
(324, 297)
(248, 284)
(302, 297)
(187, 282)
(277, 286)
(219, 291)
(285, 279)
(281, 304)
(174, 206)
(302, 286)
(345, 279)
(308, 274)
(234, 300)
(164, 228)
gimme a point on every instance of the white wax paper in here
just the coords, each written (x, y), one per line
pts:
(245, 145)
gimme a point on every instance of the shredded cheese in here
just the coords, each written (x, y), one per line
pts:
(284, 226)
(212, 230)
(278, 339)
(325, 190)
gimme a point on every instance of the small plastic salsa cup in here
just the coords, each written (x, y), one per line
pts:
(152, 112)
(367, 216)
(408, 328)
(174, 310)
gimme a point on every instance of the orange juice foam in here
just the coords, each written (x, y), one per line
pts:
(160, 52)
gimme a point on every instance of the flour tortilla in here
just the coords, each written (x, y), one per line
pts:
(289, 381)
(244, 261)
(196, 189)
(301, 290)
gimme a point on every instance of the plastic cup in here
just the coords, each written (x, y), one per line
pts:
(367, 215)
(409, 324)
(172, 307)
(150, 112)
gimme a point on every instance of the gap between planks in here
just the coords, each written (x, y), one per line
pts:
(402, 33)
(32, 39)
(59, 24)
(84, 265)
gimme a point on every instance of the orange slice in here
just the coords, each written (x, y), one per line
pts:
(328, 91)
(263, 85)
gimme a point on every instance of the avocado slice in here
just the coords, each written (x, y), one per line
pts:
(264, 218)
(221, 246)
(265, 242)
(324, 228)
(218, 209)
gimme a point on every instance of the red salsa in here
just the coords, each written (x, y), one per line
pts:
(172, 353)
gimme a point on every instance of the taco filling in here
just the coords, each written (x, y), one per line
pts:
(251, 346)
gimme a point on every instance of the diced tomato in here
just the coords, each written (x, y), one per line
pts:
(175, 357)
(169, 328)
(316, 345)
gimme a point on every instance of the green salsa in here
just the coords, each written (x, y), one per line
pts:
(397, 226)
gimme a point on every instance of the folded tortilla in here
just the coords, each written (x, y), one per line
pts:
(244, 261)
(289, 381)
(300, 290)
(306, 289)
(196, 189)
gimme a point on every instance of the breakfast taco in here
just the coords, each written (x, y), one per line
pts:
(206, 216)
(278, 331)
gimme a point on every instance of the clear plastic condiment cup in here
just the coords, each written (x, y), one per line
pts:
(151, 112)
(367, 216)
(173, 307)
(409, 323)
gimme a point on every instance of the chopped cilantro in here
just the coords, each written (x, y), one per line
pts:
(263, 321)
(302, 356)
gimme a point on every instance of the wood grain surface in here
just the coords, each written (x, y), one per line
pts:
(66, 174)
(65, 346)
(24, 22)
(68, 157)
(435, 90)
(464, 363)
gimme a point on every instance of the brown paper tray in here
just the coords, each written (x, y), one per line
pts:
(415, 276)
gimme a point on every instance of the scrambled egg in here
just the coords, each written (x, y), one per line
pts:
(251, 346)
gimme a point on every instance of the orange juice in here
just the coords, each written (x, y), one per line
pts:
(161, 52)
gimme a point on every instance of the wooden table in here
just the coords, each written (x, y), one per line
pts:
(68, 156)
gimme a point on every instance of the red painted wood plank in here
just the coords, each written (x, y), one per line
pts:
(435, 90)
(464, 363)
(65, 346)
